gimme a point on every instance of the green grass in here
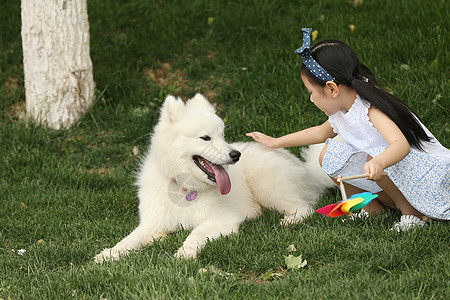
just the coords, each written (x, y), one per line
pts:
(67, 194)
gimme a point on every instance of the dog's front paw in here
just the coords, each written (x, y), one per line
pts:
(110, 255)
(186, 253)
(291, 219)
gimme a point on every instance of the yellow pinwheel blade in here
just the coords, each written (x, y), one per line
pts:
(350, 203)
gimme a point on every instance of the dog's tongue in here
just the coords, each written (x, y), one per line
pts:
(222, 179)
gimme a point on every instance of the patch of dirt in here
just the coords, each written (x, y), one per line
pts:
(11, 85)
(17, 111)
(164, 75)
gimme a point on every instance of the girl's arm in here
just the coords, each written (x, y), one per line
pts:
(309, 136)
(398, 144)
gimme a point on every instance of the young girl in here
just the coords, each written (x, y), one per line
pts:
(381, 133)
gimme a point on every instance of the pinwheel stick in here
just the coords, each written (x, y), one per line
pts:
(341, 180)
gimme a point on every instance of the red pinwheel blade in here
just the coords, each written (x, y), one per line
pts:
(326, 209)
(331, 210)
(337, 211)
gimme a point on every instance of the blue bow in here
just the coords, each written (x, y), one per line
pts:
(305, 53)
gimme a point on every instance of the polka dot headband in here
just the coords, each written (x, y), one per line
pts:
(305, 53)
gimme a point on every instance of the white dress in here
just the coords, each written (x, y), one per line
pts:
(422, 176)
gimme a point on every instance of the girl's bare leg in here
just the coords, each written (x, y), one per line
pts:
(396, 196)
(391, 190)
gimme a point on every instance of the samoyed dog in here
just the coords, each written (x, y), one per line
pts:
(193, 179)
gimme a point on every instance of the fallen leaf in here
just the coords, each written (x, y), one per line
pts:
(436, 98)
(140, 111)
(314, 34)
(135, 150)
(405, 67)
(293, 262)
(219, 272)
(356, 3)
(352, 27)
(291, 248)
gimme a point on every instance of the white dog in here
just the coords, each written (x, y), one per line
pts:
(192, 179)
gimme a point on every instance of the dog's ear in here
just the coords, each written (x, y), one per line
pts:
(200, 102)
(172, 109)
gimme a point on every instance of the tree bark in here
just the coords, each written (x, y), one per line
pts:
(59, 83)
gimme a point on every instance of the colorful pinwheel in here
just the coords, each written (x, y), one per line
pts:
(343, 207)
(347, 206)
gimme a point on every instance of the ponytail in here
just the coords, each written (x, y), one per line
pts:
(402, 115)
(343, 64)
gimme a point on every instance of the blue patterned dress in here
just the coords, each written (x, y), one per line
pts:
(422, 176)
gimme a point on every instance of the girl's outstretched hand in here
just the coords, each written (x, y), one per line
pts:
(264, 139)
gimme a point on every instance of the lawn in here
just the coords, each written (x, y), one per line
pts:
(67, 194)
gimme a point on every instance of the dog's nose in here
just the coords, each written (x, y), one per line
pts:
(234, 155)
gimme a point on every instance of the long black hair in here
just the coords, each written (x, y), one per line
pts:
(343, 64)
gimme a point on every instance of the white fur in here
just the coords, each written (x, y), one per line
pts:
(262, 177)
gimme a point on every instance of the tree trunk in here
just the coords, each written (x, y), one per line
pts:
(59, 84)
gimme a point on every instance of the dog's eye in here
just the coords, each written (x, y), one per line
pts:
(206, 138)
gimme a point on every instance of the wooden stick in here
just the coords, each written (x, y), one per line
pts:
(343, 193)
(340, 178)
